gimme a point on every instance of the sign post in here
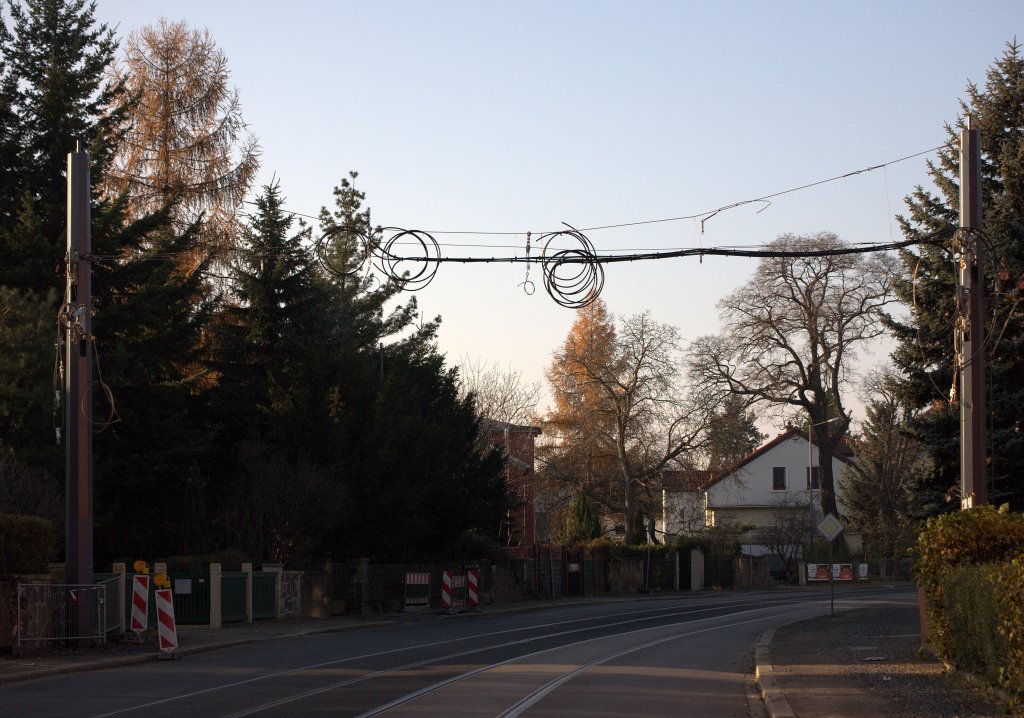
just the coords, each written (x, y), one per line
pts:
(830, 527)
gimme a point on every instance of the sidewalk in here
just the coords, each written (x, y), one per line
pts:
(865, 662)
(191, 640)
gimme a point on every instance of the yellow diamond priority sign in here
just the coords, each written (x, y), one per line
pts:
(830, 527)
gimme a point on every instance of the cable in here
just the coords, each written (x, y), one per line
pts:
(570, 286)
(584, 280)
(703, 216)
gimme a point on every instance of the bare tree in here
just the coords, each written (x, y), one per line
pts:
(630, 395)
(785, 536)
(500, 395)
(790, 333)
(187, 140)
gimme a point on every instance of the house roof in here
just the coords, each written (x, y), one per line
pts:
(502, 426)
(843, 452)
(684, 480)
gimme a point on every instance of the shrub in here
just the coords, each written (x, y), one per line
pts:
(975, 642)
(987, 602)
(1009, 596)
(27, 543)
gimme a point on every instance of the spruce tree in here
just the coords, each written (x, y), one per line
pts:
(150, 442)
(925, 353)
(732, 434)
(147, 319)
(56, 98)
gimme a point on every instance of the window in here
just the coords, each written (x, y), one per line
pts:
(778, 478)
(814, 481)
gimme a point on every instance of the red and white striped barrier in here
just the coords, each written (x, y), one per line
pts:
(166, 630)
(140, 604)
(417, 590)
(472, 588)
(446, 590)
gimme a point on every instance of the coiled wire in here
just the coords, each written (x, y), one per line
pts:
(573, 277)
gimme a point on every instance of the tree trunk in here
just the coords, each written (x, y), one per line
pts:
(826, 449)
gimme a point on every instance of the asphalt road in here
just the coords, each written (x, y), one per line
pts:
(685, 656)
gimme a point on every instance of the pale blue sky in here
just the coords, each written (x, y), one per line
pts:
(519, 116)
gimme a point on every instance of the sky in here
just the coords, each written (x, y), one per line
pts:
(515, 117)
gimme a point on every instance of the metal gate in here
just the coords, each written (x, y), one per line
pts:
(62, 612)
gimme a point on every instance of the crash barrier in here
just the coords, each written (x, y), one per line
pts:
(64, 612)
(417, 590)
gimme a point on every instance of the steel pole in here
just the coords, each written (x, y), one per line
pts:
(973, 488)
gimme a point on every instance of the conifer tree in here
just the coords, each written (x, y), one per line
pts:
(187, 143)
(56, 98)
(878, 488)
(925, 352)
(732, 434)
(147, 320)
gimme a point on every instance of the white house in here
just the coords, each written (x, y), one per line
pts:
(769, 491)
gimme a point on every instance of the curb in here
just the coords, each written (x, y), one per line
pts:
(764, 674)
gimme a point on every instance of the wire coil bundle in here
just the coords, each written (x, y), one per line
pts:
(411, 270)
(573, 277)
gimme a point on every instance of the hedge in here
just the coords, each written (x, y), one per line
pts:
(971, 569)
(27, 544)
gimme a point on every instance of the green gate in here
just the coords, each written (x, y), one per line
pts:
(264, 594)
(232, 596)
(191, 598)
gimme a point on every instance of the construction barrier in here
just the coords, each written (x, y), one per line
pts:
(446, 590)
(140, 604)
(458, 592)
(472, 588)
(417, 590)
(838, 571)
(167, 632)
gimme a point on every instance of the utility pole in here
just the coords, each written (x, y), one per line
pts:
(971, 324)
(76, 316)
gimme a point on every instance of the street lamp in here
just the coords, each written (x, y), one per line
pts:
(810, 475)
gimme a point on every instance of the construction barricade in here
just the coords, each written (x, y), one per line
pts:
(473, 587)
(167, 631)
(417, 591)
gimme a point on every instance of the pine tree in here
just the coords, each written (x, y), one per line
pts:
(878, 494)
(147, 319)
(56, 98)
(581, 523)
(264, 324)
(52, 96)
(925, 353)
(150, 445)
(732, 434)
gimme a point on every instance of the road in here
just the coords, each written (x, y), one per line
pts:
(679, 656)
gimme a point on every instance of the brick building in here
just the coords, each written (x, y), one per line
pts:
(517, 444)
